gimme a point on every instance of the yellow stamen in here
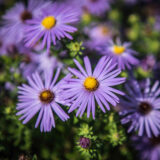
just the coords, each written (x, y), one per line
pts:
(91, 84)
(118, 49)
(46, 96)
(49, 22)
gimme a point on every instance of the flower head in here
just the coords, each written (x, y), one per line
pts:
(121, 53)
(52, 24)
(32, 61)
(43, 98)
(149, 148)
(90, 86)
(96, 7)
(141, 108)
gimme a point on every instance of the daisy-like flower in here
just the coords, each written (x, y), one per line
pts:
(141, 108)
(99, 34)
(96, 7)
(43, 98)
(15, 18)
(90, 86)
(51, 25)
(32, 61)
(121, 53)
(149, 148)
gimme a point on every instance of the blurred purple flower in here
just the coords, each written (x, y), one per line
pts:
(52, 24)
(96, 7)
(15, 19)
(32, 61)
(121, 54)
(141, 108)
(90, 86)
(43, 98)
(99, 34)
(149, 148)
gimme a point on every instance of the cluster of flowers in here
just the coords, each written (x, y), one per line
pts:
(41, 23)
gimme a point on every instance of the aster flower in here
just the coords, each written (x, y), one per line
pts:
(90, 86)
(149, 148)
(140, 108)
(96, 7)
(46, 62)
(52, 24)
(32, 61)
(15, 18)
(121, 53)
(98, 34)
(43, 98)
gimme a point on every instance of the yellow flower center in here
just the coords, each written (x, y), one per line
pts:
(49, 22)
(118, 49)
(46, 96)
(91, 84)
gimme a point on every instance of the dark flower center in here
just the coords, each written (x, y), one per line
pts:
(26, 15)
(84, 142)
(145, 108)
(46, 96)
(1, 44)
(155, 140)
(93, 1)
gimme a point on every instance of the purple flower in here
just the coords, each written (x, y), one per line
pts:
(90, 86)
(96, 7)
(141, 108)
(149, 148)
(32, 61)
(99, 34)
(52, 24)
(46, 62)
(43, 98)
(121, 53)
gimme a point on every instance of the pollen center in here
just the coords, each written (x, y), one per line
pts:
(91, 84)
(49, 22)
(46, 96)
(118, 49)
